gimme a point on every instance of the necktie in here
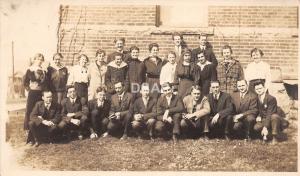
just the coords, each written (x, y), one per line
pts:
(120, 99)
(47, 106)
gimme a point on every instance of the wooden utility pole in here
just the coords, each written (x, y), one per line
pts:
(13, 61)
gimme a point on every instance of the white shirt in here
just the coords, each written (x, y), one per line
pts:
(217, 96)
(47, 106)
(78, 74)
(260, 70)
(203, 65)
(100, 103)
(72, 100)
(262, 97)
(169, 100)
(167, 73)
(145, 100)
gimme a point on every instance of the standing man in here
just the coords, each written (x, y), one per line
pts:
(206, 48)
(99, 110)
(144, 112)
(229, 71)
(221, 110)
(119, 115)
(119, 45)
(196, 114)
(245, 109)
(44, 118)
(179, 45)
(74, 113)
(169, 109)
(268, 121)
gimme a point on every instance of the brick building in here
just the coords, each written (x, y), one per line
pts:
(274, 29)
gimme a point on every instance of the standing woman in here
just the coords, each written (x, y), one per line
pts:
(207, 72)
(79, 77)
(151, 68)
(58, 77)
(258, 70)
(35, 82)
(186, 74)
(167, 73)
(97, 72)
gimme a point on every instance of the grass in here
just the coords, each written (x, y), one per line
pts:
(111, 154)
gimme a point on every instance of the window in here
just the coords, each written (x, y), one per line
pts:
(187, 15)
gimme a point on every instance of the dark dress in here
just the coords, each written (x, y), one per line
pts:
(151, 73)
(58, 78)
(134, 75)
(35, 82)
(207, 74)
(186, 76)
(116, 74)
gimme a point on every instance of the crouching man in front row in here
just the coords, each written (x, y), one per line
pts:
(119, 114)
(44, 118)
(268, 121)
(144, 112)
(196, 114)
(169, 109)
(74, 114)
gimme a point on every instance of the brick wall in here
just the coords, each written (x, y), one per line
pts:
(253, 16)
(81, 34)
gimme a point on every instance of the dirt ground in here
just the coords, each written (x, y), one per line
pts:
(111, 154)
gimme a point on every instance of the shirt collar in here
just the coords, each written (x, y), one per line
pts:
(262, 97)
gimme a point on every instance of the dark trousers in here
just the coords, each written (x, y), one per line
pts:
(247, 123)
(162, 127)
(96, 121)
(58, 96)
(222, 125)
(40, 130)
(273, 125)
(139, 126)
(66, 126)
(81, 89)
(197, 127)
(115, 125)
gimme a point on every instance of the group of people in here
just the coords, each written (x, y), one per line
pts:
(190, 94)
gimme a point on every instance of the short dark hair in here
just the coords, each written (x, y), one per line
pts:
(258, 83)
(243, 80)
(186, 50)
(83, 55)
(57, 54)
(118, 54)
(134, 48)
(100, 51)
(254, 50)
(214, 81)
(226, 47)
(177, 34)
(166, 84)
(101, 89)
(151, 45)
(69, 87)
(47, 91)
(117, 82)
(119, 39)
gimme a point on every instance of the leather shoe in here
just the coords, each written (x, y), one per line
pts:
(124, 137)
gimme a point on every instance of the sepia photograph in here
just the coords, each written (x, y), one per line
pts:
(179, 87)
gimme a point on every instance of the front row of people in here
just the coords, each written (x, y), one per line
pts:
(218, 114)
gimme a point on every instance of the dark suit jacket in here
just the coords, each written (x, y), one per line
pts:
(79, 107)
(148, 112)
(104, 110)
(176, 106)
(247, 105)
(124, 107)
(208, 53)
(267, 108)
(53, 114)
(224, 105)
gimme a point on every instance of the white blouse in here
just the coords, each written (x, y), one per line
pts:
(260, 70)
(78, 74)
(167, 73)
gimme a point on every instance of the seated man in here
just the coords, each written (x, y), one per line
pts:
(197, 111)
(169, 109)
(119, 115)
(268, 121)
(44, 118)
(144, 112)
(221, 110)
(74, 113)
(245, 108)
(99, 110)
